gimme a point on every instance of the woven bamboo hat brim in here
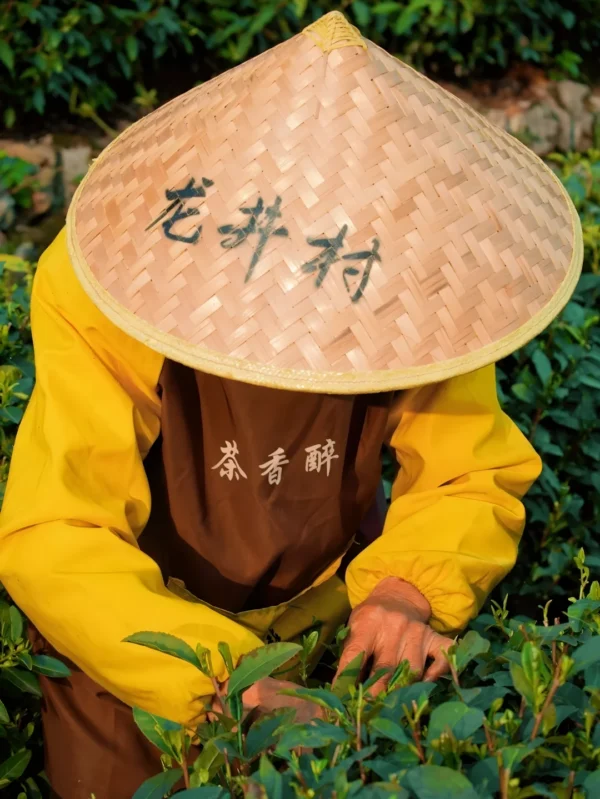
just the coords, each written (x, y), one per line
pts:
(324, 218)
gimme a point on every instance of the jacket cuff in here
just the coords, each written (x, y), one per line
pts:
(441, 582)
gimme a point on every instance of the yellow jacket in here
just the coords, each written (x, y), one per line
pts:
(78, 498)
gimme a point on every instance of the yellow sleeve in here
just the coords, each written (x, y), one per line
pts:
(456, 516)
(78, 498)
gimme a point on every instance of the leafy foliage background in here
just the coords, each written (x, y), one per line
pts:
(87, 56)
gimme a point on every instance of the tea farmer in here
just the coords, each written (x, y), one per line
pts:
(260, 284)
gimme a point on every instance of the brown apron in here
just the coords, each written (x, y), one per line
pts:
(257, 494)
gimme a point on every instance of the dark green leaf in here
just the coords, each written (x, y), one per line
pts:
(317, 734)
(319, 696)
(154, 728)
(586, 654)
(542, 366)
(484, 775)
(4, 717)
(263, 733)
(7, 55)
(439, 782)
(469, 647)
(592, 784)
(259, 664)
(394, 763)
(271, 779)
(24, 680)
(204, 792)
(455, 717)
(348, 677)
(362, 13)
(131, 47)
(405, 696)
(156, 787)
(168, 644)
(38, 100)
(482, 698)
(387, 728)
(14, 767)
(513, 755)
(16, 624)
(50, 667)
(26, 660)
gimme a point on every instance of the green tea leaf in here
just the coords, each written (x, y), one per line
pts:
(386, 7)
(225, 653)
(439, 782)
(156, 787)
(4, 717)
(513, 755)
(7, 55)
(131, 48)
(542, 366)
(460, 719)
(468, 648)
(271, 779)
(389, 729)
(522, 684)
(50, 667)
(349, 677)
(320, 696)
(26, 660)
(263, 733)
(208, 761)
(314, 735)
(154, 728)
(592, 784)
(362, 12)
(309, 643)
(168, 644)
(24, 680)
(586, 654)
(16, 624)
(10, 117)
(203, 792)
(12, 768)
(259, 664)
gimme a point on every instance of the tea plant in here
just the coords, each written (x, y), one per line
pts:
(518, 717)
(51, 49)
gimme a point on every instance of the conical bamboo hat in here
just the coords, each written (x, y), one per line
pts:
(324, 218)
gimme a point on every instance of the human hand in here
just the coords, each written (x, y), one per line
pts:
(391, 626)
(265, 696)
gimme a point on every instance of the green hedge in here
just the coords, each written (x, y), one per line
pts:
(86, 55)
(551, 389)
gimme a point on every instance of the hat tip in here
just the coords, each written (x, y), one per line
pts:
(332, 31)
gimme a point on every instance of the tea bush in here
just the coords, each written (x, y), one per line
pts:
(518, 718)
(58, 54)
(550, 388)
